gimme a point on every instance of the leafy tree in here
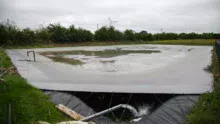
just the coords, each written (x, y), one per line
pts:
(102, 34)
(10, 34)
(72, 34)
(216, 35)
(28, 36)
(129, 35)
(143, 35)
(114, 35)
(8, 30)
(84, 35)
(108, 34)
(43, 35)
(59, 34)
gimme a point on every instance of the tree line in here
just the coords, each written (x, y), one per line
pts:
(10, 34)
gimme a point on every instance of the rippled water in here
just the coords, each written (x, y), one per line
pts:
(133, 62)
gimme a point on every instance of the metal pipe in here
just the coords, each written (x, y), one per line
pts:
(126, 106)
(33, 55)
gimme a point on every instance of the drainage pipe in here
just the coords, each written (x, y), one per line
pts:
(126, 106)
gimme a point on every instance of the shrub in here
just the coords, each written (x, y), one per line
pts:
(108, 34)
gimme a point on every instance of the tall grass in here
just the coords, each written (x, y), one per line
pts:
(207, 110)
(6, 62)
(29, 104)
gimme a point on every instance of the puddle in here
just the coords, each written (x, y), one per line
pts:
(107, 61)
(107, 53)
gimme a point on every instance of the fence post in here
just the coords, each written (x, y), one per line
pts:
(9, 113)
(217, 49)
(0, 63)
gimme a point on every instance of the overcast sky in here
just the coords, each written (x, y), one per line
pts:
(150, 15)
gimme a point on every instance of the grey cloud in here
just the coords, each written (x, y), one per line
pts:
(150, 15)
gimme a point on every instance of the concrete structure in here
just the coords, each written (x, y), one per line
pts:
(177, 69)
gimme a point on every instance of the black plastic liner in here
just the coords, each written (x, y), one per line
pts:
(174, 111)
(77, 105)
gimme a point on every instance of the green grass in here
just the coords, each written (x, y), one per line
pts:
(207, 109)
(29, 104)
(209, 42)
(6, 62)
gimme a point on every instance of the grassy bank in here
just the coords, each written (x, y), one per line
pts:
(29, 104)
(209, 42)
(207, 110)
